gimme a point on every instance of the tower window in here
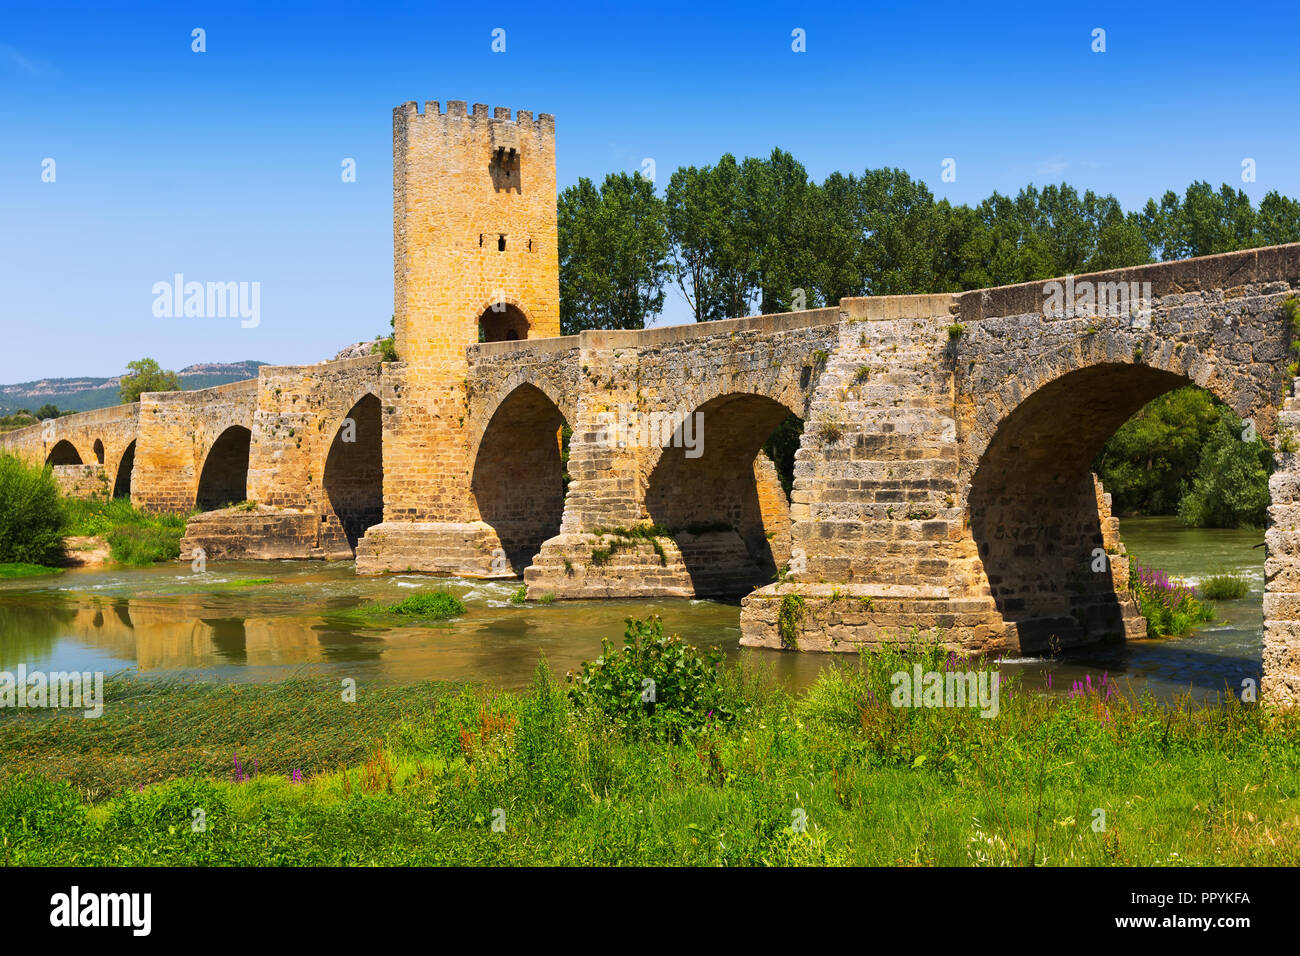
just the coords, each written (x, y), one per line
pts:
(480, 240)
(501, 244)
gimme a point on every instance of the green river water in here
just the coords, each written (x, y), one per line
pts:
(167, 621)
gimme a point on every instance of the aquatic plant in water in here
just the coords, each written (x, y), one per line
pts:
(1170, 606)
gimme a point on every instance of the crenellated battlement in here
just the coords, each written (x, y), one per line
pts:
(459, 111)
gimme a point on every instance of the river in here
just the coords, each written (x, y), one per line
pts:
(167, 621)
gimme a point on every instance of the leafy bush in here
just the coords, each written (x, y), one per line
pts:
(1226, 586)
(1170, 606)
(31, 513)
(655, 686)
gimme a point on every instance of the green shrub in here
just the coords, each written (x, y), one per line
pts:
(1170, 606)
(31, 513)
(655, 686)
(437, 605)
(1226, 586)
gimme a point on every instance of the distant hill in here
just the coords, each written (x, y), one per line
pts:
(83, 394)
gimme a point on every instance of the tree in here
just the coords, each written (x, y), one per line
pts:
(385, 346)
(613, 244)
(1231, 484)
(145, 375)
(48, 410)
(1149, 463)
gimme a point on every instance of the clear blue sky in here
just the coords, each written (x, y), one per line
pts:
(225, 165)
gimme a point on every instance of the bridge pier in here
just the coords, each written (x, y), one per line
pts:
(1281, 683)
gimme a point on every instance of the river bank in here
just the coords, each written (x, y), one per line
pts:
(289, 774)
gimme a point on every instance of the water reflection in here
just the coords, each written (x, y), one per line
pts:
(167, 621)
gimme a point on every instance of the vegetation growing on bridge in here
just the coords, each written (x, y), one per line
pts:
(833, 775)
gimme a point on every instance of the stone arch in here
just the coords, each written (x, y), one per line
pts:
(122, 483)
(518, 474)
(63, 453)
(353, 476)
(1247, 395)
(223, 479)
(704, 487)
(484, 411)
(99, 451)
(1035, 513)
(503, 321)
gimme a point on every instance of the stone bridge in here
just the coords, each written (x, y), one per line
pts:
(301, 442)
(941, 482)
(942, 479)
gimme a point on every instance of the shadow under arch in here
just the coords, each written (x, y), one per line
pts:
(224, 477)
(122, 483)
(725, 508)
(1033, 506)
(354, 470)
(63, 453)
(518, 479)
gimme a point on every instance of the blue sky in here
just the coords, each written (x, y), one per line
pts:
(225, 165)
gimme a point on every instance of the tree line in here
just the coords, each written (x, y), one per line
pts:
(758, 235)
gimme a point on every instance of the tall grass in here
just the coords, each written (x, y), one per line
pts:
(1225, 586)
(134, 537)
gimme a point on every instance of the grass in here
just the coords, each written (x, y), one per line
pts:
(17, 569)
(134, 537)
(417, 775)
(1225, 586)
(417, 608)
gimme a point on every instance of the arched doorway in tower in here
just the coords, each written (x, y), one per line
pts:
(63, 453)
(726, 501)
(518, 481)
(122, 484)
(354, 470)
(224, 478)
(505, 325)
